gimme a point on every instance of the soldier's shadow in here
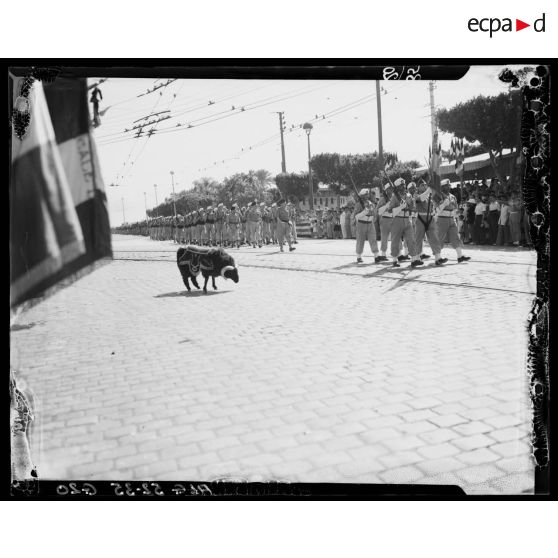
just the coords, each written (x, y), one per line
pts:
(190, 294)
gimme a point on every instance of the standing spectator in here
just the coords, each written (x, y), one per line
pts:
(493, 217)
(343, 222)
(348, 217)
(337, 224)
(503, 228)
(461, 224)
(292, 216)
(470, 218)
(514, 221)
(478, 229)
(328, 220)
(319, 224)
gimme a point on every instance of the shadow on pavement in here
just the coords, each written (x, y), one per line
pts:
(190, 294)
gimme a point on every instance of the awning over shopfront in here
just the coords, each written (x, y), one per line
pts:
(472, 165)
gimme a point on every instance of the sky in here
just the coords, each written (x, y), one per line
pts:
(223, 140)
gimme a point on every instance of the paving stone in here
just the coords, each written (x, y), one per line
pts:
(134, 460)
(503, 421)
(517, 464)
(89, 470)
(505, 434)
(404, 443)
(400, 459)
(331, 458)
(238, 452)
(175, 451)
(514, 484)
(479, 473)
(113, 453)
(342, 443)
(357, 468)
(278, 443)
(479, 456)
(470, 428)
(440, 465)
(467, 443)
(402, 475)
(510, 449)
(447, 420)
(438, 451)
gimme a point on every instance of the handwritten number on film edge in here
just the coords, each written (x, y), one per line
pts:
(391, 73)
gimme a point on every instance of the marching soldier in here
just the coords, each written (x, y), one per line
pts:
(283, 226)
(425, 223)
(365, 230)
(265, 223)
(180, 225)
(447, 226)
(194, 226)
(402, 205)
(386, 220)
(201, 226)
(273, 222)
(253, 217)
(187, 228)
(219, 224)
(210, 226)
(234, 222)
(243, 226)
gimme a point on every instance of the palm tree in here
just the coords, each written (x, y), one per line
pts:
(264, 178)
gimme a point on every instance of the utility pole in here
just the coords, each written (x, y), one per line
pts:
(379, 108)
(281, 128)
(308, 128)
(156, 202)
(123, 214)
(145, 201)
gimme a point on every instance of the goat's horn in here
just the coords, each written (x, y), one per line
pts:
(226, 268)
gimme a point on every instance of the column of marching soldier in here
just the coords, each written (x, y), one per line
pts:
(253, 225)
(406, 214)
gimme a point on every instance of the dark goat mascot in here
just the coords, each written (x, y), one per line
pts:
(211, 262)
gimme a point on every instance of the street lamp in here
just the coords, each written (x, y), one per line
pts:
(173, 203)
(156, 202)
(307, 127)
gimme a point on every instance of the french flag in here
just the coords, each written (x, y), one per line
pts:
(59, 226)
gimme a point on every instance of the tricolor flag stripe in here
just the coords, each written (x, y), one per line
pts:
(58, 215)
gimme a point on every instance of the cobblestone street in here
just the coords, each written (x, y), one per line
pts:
(311, 369)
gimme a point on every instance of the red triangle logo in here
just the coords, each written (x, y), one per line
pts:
(519, 25)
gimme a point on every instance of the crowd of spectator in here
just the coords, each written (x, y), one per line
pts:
(492, 214)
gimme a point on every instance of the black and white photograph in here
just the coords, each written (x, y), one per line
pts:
(278, 277)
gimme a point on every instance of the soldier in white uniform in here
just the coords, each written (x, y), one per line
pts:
(283, 226)
(364, 213)
(425, 223)
(402, 206)
(447, 225)
(386, 219)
